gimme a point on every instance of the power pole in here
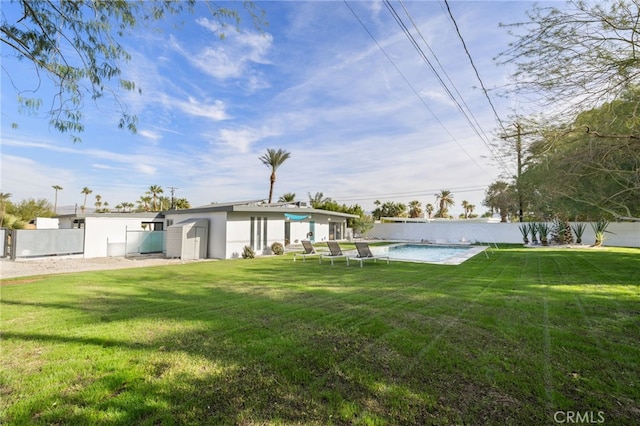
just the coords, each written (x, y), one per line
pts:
(518, 135)
(173, 201)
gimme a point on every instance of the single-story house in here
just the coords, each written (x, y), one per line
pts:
(257, 224)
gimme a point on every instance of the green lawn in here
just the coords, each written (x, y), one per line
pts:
(518, 338)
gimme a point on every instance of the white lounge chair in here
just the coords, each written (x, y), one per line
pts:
(334, 252)
(364, 253)
(309, 250)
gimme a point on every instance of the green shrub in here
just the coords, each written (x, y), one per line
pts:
(277, 248)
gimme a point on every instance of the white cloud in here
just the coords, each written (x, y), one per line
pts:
(231, 57)
(241, 139)
(214, 111)
(146, 169)
(150, 134)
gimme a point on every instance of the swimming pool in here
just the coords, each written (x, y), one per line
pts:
(444, 255)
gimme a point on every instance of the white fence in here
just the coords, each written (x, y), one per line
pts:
(622, 234)
(46, 242)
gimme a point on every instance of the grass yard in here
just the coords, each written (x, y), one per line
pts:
(527, 336)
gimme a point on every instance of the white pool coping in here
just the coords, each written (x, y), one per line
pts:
(469, 252)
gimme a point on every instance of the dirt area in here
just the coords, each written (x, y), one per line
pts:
(58, 265)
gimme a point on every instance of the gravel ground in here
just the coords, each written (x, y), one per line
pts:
(57, 265)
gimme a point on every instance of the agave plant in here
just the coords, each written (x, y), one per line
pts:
(533, 230)
(578, 230)
(543, 232)
(524, 230)
(248, 253)
(600, 228)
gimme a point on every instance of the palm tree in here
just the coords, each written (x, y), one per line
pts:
(274, 159)
(415, 209)
(154, 190)
(86, 191)
(98, 203)
(182, 203)
(289, 197)
(144, 202)
(465, 205)
(429, 209)
(164, 203)
(470, 209)
(55, 203)
(4, 197)
(445, 200)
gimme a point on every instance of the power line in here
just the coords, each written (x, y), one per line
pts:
(473, 65)
(475, 127)
(396, 195)
(413, 89)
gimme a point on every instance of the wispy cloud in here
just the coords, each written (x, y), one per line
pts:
(214, 111)
(231, 58)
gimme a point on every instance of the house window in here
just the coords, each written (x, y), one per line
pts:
(335, 230)
(258, 233)
(152, 226)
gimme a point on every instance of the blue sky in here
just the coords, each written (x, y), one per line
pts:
(363, 119)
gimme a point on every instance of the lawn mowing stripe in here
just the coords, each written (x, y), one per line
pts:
(548, 383)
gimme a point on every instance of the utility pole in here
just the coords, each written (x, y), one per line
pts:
(518, 135)
(173, 201)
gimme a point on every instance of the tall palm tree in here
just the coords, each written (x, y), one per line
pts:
(274, 159)
(154, 190)
(86, 191)
(4, 197)
(445, 200)
(55, 203)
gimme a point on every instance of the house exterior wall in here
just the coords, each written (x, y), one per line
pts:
(216, 239)
(46, 223)
(239, 232)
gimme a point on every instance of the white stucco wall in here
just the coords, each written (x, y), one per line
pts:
(102, 231)
(623, 234)
(239, 232)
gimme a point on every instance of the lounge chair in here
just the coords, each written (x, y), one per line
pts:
(334, 251)
(364, 253)
(309, 250)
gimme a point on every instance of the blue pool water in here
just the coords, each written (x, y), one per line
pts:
(429, 253)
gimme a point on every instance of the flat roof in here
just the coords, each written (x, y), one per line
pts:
(256, 207)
